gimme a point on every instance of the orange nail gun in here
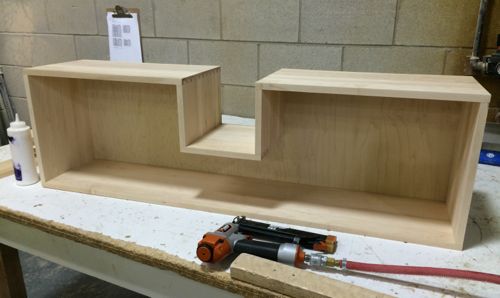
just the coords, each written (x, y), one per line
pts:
(284, 245)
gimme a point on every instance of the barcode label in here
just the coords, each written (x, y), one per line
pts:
(117, 42)
(126, 28)
(117, 31)
(127, 42)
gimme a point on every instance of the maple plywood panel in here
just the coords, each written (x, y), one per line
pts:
(396, 153)
(151, 73)
(404, 219)
(400, 147)
(238, 140)
(132, 122)
(354, 143)
(60, 120)
(200, 102)
(417, 86)
(6, 168)
(461, 185)
(268, 121)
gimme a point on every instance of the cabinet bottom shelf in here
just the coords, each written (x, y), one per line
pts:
(226, 140)
(404, 219)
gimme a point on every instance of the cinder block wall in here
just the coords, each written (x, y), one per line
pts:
(250, 38)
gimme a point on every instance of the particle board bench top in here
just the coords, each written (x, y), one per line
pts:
(166, 237)
(121, 71)
(432, 87)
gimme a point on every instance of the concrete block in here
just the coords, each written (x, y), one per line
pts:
(438, 23)
(13, 76)
(23, 16)
(92, 47)
(187, 18)
(29, 50)
(52, 49)
(21, 107)
(457, 62)
(261, 20)
(492, 25)
(348, 21)
(15, 49)
(157, 50)
(238, 101)
(275, 56)
(146, 20)
(71, 16)
(394, 59)
(237, 59)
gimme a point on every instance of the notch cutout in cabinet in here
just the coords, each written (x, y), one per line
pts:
(385, 155)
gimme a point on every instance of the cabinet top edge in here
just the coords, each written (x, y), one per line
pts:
(418, 86)
(120, 71)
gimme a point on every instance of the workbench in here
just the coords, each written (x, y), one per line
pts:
(150, 248)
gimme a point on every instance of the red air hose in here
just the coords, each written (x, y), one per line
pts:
(431, 271)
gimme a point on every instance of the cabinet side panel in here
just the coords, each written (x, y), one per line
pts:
(200, 107)
(467, 114)
(270, 119)
(464, 171)
(62, 129)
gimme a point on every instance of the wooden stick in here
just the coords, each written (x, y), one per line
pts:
(292, 281)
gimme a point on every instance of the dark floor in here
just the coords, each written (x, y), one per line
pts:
(44, 279)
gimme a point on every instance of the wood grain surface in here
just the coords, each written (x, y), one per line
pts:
(328, 148)
(6, 168)
(417, 86)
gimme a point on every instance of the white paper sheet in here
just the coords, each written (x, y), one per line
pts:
(124, 38)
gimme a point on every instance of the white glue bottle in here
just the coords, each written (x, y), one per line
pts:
(21, 150)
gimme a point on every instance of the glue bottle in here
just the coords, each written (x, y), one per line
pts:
(21, 150)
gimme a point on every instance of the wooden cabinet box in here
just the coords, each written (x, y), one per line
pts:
(384, 155)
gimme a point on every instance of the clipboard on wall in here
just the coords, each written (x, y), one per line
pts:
(124, 36)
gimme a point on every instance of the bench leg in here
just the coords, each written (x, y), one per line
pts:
(11, 274)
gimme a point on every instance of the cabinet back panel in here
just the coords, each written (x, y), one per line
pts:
(399, 147)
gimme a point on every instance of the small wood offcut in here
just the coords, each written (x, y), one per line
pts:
(386, 155)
